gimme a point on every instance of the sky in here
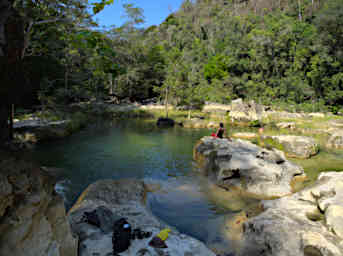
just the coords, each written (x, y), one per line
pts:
(155, 11)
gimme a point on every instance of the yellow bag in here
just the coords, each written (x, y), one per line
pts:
(163, 235)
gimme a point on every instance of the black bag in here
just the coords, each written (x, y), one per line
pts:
(91, 218)
(121, 239)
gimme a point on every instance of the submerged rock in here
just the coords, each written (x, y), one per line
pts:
(125, 198)
(288, 226)
(33, 218)
(238, 163)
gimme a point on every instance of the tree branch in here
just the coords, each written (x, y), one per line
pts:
(49, 21)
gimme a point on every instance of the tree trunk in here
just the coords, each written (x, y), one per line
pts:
(166, 102)
(11, 114)
(110, 80)
(11, 50)
(4, 127)
(299, 7)
(66, 78)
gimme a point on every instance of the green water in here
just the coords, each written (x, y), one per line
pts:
(137, 149)
(185, 199)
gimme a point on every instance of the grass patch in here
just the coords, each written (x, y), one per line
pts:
(267, 143)
(325, 161)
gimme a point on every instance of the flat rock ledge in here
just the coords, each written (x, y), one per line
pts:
(34, 130)
(308, 223)
(238, 163)
(125, 198)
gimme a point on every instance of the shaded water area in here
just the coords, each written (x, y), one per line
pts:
(162, 157)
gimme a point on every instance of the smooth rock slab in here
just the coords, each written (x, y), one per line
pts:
(286, 227)
(334, 219)
(125, 199)
(265, 173)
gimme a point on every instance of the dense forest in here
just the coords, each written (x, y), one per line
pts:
(285, 53)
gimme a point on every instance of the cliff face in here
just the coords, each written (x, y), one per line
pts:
(32, 216)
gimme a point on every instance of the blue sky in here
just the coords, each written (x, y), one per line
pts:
(155, 11)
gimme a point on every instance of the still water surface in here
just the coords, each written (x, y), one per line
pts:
(137, 149)
(184, 199)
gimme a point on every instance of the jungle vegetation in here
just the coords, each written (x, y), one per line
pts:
(286, 53)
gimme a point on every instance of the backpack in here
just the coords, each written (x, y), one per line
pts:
(121, 239)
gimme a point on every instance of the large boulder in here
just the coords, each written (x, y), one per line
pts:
(33, 217)
(125, 199)
(336, 140)
(238, 163)
(293, 225)
(246, 112)
(297, 146)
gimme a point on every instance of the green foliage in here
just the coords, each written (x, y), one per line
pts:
(269, 143)
(216, 68)
(255, 123)
(275, 52)
(98, 7)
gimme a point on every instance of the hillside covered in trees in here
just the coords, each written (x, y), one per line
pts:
(275, 52)
(285, 53)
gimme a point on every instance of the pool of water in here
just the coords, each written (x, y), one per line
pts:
(162, 157)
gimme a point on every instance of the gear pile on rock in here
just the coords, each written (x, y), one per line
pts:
(122, 231)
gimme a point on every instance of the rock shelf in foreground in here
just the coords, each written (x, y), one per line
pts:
(308, 223)
(125, 199)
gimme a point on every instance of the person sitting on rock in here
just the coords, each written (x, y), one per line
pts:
(221, 131)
